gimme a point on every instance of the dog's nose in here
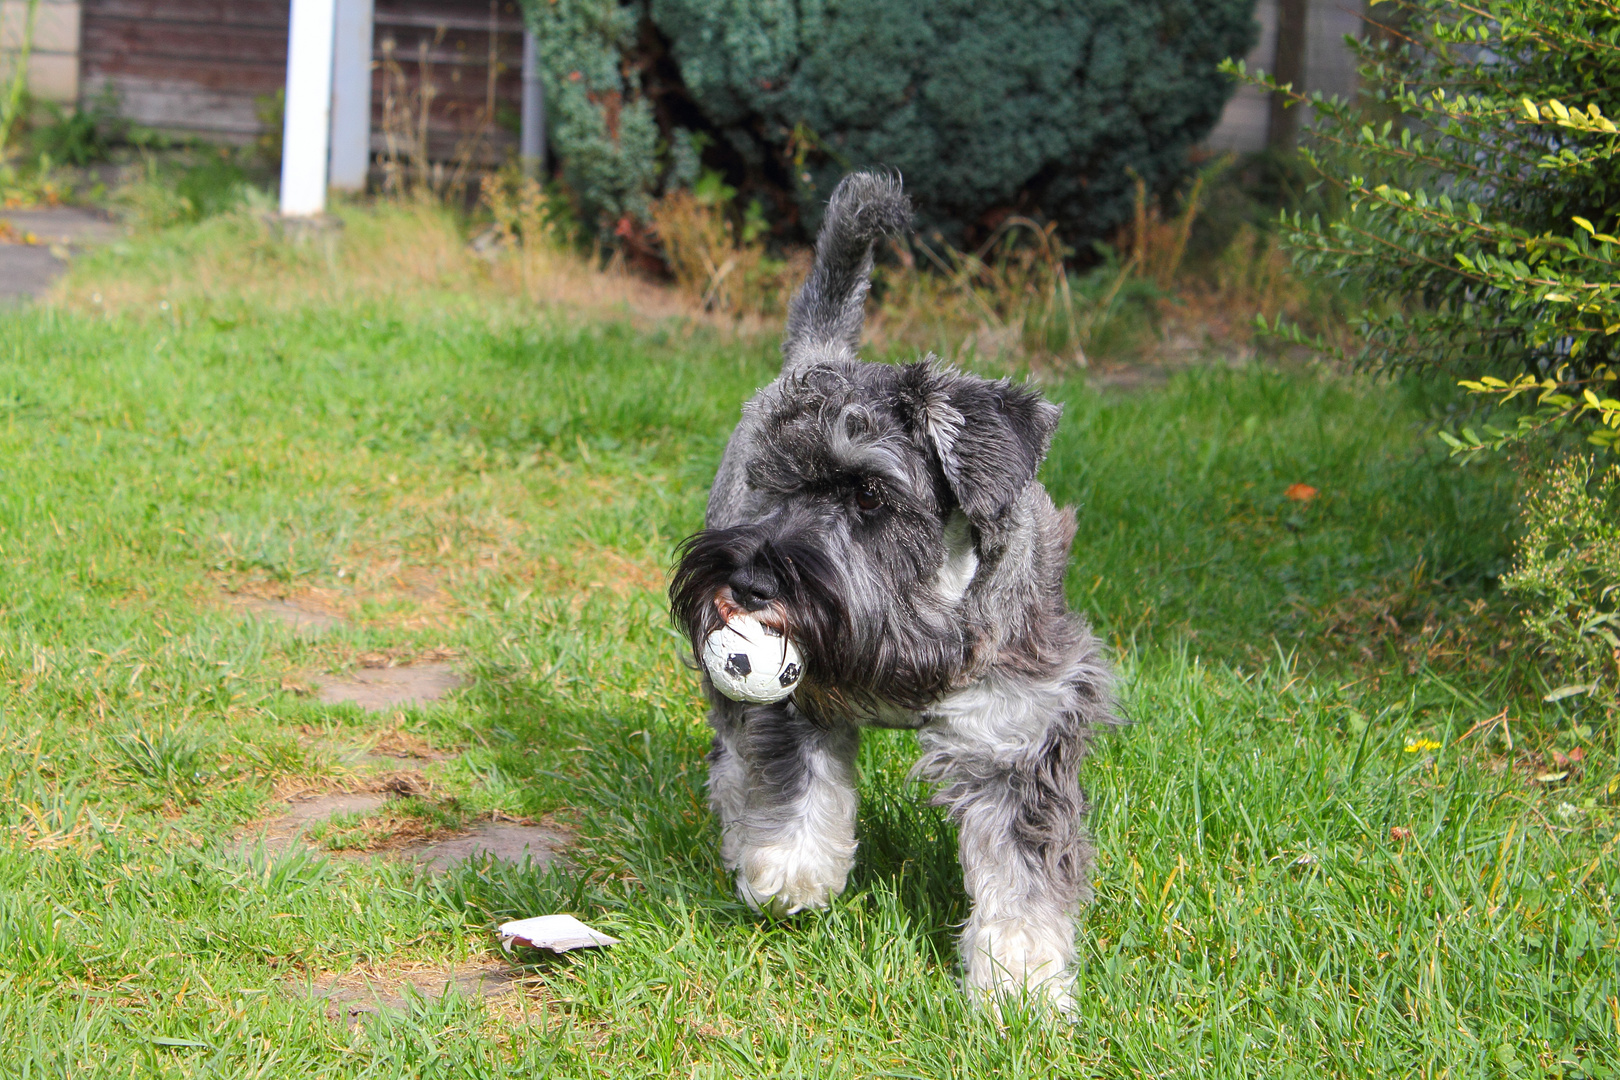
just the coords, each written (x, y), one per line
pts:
(751, 589)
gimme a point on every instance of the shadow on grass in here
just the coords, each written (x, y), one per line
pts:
(633, 787)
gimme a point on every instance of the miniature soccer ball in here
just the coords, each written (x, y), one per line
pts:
(749, 661)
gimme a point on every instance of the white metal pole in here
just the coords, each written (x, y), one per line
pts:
(351, 95)
(305, 137)
(532, 144)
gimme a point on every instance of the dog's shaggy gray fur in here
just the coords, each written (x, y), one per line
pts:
(888, 519)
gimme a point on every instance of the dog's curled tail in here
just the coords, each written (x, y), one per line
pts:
(824, 320)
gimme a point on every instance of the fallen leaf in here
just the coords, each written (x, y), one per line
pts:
(1551, 777)
(1300, 492)
(559, 933)
(1568, 691)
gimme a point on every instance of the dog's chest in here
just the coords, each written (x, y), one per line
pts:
(961, 561)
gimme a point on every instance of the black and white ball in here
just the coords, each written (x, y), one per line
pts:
(749, 661)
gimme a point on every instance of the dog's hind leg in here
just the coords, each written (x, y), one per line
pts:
(784, 790)
(1005, 755)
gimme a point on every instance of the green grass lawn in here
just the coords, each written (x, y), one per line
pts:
(1316, 859)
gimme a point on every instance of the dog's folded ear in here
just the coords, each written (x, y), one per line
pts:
(990, 436)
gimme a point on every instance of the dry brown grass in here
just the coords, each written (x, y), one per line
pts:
(236, 261)
(1418, 624)
(1010, 298)
(723, 271)
(1013, 300)
(409, 253)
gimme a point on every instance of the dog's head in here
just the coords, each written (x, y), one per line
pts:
(875, 494)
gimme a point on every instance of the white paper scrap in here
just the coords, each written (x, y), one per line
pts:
(559, 933)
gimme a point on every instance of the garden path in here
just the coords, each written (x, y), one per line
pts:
(35, 245)
(386, 774)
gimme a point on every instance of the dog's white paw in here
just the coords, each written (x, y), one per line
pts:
(1007, 959)
(781, 881)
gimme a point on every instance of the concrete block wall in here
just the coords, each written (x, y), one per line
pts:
(53, 65)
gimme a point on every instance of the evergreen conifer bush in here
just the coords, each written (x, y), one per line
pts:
(601, 127)
(986, 108)
(982, 106)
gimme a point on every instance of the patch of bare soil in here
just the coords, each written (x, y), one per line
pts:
(379, 825)
(304, 619)
(304, 803)
(1128, 377)
(372, 989)
(378, 592)
(288, 829)
(384, 689)
(511, 841)
(1176, 352)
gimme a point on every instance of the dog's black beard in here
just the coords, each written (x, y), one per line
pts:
(807, 606)
(902, 663)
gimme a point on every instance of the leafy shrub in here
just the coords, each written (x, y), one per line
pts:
(81, 137)
(1481, 220)
(211, 187)
(1481, 209)
(1568, 573)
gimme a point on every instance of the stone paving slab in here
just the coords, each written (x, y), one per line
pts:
(28, 269)
(511, 842)
(69, 226)
(303, 621)
(283, 832)
(382, 689)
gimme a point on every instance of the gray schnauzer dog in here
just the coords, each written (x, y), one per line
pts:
(887, 519)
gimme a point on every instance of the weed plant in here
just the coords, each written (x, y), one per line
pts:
(1022, 296)
(1568, 575)
(1321, 853)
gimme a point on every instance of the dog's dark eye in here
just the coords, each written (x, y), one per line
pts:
(868, 498)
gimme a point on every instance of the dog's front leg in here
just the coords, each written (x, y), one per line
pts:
(784, 790)
(1005, 755)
